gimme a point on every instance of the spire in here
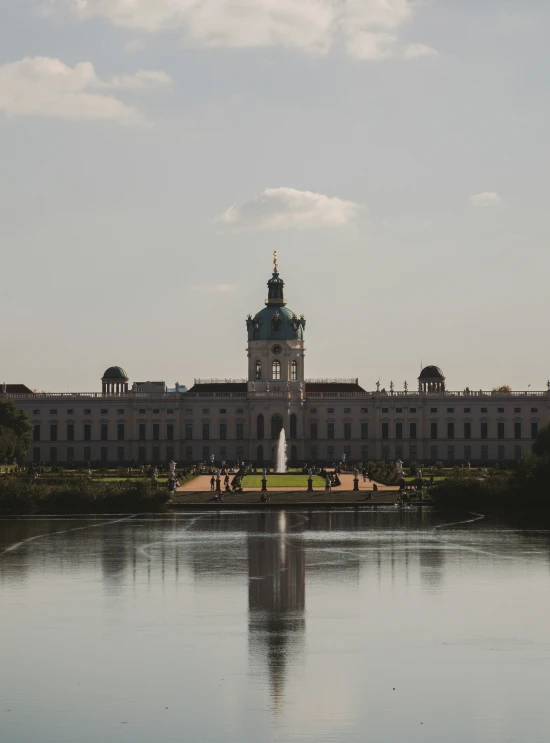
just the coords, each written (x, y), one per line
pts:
(276, 286)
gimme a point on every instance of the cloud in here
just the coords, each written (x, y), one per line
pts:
(134, 45)
(288, 208)
(488, 198)
(44, 86)
(370, 28)
(213, 288)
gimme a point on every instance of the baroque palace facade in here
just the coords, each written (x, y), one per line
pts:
(240, 420)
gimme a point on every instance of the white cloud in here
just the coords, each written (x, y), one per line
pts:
(134, 45)
(44, 86)
(370, 27)
(488, 198)
(287, 208)
(213, 288)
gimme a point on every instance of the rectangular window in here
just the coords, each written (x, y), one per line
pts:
(240, 454)
(223, 431)
(223, 453)
(364, 453)
(104, 411)
(70, 411)
(467, 430)
(534, 430)
(399, 452)
(156, 431)
(433, 430)
(53, 454)
(104, 455)
(53, 411)
(120, 411)
(156, 454)
(364, 430)
(170, 453)
(240, 431)
(467, 410)
(330, 430)
(412, 453)
(398, 430)
(347, 452)
(348, 410)
(188, 453)
(36, 432)
(70, 431)
(450, 430)
(170, 411)
(142, 411)
(484, 430)
(156, 411)
(517, 452)
(189, 431)
(120, 454)
(467, 453)
(36, 412)
(433, 410)
(141, 432)
(170, 432)
(500, 430)
(70, 454)
(517, 410)
(205, 411)
(517, 430)
(88, 454)
(313, 453)
(330, 410)
(88, 411)
(385, 430)
(412, 430)
(386, 453)
(451, 453)
(223, 411)
(484, 453)
(313, 430)
(313, 411)
(330, 455)
(385, 410)
(534, 410)
(188, 410)
(205, 431)
(483, 410)
(36, 455)
(141, 454)
(501, 454)
(240, 411)
(412, 410)
(363, 410)
(398, 410)
(120, 431)
(87, 432)
(53, 432)
(450, 410)
(347, 430)
(500, 410)
(433, 453)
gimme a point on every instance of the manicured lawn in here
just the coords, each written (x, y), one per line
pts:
(282, 481)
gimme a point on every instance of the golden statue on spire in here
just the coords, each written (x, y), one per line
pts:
(276, 267)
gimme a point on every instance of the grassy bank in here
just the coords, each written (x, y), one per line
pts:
(21, 496)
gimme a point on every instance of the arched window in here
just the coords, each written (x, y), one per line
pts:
(293, 426)
(276, 425)
(276, 369)
(260, 454)
(258, 369)
(260, 426)
(294, 371)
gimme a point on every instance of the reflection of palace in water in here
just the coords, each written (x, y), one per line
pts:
(276, 593)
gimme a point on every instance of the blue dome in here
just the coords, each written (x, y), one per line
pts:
(276, 323)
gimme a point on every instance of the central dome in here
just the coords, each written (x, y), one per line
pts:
(275, 322)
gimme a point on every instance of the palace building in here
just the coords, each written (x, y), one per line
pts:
(240, 420)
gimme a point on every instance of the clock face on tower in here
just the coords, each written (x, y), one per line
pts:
(276, 349)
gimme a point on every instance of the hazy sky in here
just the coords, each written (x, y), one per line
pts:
(155, 152)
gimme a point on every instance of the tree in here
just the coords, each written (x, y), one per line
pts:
(15, 432)
(502, 388)
(541, 445)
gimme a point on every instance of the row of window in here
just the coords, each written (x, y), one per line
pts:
(467, 430)
(103, 411)
(276, 370)
(103, 432)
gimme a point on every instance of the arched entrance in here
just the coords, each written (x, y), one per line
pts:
(276, 425)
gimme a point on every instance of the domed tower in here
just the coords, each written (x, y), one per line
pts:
(275, 342)
(114, 381)
(431, 379)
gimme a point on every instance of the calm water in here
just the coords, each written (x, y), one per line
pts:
(291, 627)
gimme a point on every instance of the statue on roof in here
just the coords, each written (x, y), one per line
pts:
(275, 266)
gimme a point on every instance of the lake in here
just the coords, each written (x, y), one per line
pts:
(351, 625)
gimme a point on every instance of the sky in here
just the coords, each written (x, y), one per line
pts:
(154, 154)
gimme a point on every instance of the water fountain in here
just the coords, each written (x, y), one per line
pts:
(281, 452)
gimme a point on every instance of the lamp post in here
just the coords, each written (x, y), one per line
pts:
(356, 479)
(309, 481)
(264, 481)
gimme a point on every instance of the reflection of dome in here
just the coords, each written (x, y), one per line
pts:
(431, 372)
(116, 372)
